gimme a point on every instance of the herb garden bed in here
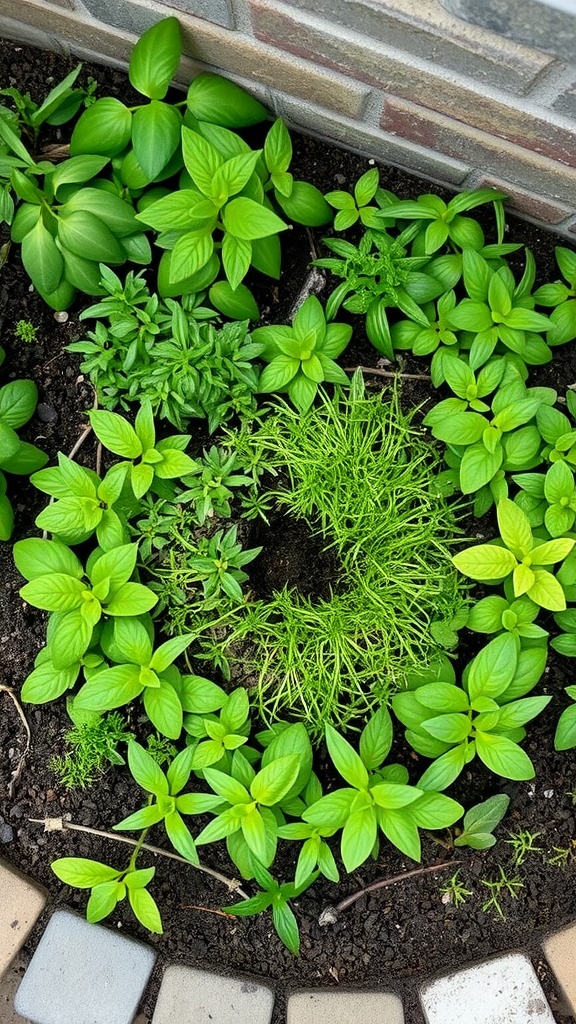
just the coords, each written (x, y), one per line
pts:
(389, 937)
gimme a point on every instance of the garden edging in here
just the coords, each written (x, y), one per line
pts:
(64, 978)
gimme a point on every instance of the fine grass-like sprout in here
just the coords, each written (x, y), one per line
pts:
(364, 480)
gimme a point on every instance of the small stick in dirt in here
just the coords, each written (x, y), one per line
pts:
(331, 914)
(205, 910)
(59, 825)
(387, 373)
(16, 774)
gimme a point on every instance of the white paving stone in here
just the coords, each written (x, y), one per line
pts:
(190, 996)
(505, 990)
(83, 974)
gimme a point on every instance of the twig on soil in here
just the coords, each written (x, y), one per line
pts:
(331, 914)
(387, 373)
(205, 910)
(312, 244)
(16, 774)
(59, 825)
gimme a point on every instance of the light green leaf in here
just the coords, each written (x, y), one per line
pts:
(485, 562)
(155, 59)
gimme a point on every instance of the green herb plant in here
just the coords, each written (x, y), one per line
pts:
(480, 822)
(91, 745)
(521, 554)
(25, 331)
(484, 717)
(497, 887)
(18, 401)
(143, 347)
(301, 357)
(454, 891)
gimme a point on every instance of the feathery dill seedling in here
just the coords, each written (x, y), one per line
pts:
(91, 746)
(363, 478)
(497, 886)
(454, 891)
(523, 843)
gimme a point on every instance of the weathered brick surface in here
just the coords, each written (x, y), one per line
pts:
(21, 903)
(528, 203)
(204, 44)
(318, 41)
(457, 140)
(66, 30)
(427, 31)
(136, 18)
(566, 103)
(547, 26)
(68, 4)
(371, 142)
(560, 952)
(241, 55)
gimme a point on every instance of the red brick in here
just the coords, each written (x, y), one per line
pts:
(529, 203)
(526, 169)
(401, 75)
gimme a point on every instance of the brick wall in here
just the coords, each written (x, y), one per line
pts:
(450, 90)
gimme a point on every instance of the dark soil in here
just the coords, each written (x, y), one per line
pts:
(394, 937)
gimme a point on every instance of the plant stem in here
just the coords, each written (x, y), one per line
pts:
(330, 914)
(59, 825)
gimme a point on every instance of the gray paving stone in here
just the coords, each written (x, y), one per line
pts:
(341, 1007)
(504, 990)
(83, 974)
(188, 995)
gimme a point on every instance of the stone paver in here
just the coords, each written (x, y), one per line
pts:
(202, 997)
(341, 1007)
(21, 903)
(560, 950)
(505, 990)
(83, 974)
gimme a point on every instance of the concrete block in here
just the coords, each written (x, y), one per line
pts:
(84, 974)
(203, 997)
(559, 949)
(427, 31)
(398, 74)
(484, 151)
(341, 1007)
(21, 903)
(549, 26)
(137, 18)
(382, 146)
(505, 990)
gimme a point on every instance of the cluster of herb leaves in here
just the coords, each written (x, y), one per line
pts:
(170, 353)
(507, 443)
(214, 212)
(424, 278)
(18, 399)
